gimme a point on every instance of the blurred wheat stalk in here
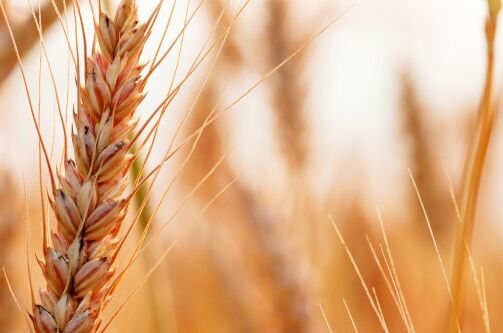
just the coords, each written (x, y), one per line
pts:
(26, 34)
(10, 221)
(270, 272)
(474, 168)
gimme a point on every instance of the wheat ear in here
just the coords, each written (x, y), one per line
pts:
(90, 204)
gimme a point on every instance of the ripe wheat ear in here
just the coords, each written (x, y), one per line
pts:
(90, 202)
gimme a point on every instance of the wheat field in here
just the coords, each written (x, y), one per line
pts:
(274, 166)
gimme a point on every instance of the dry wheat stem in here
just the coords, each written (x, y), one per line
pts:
(474, 168)
(479, 283)
(392, 288)
(456, 327)
(360, 277)
(480, 295)
(325, 318)
(393, 272)
(350, 316)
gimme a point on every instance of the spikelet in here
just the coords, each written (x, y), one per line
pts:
(90, 204)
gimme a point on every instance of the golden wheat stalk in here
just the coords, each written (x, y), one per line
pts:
(474, 168)
(90, 203)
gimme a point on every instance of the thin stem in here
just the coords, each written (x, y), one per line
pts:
(474, 168)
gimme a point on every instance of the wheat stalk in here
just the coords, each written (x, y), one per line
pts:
(474, 168)
(90, 204)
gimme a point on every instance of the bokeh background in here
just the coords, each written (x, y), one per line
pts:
(391, 86)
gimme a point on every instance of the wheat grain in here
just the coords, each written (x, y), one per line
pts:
(90, 204)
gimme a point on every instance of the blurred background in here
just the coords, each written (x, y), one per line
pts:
(391, 86)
